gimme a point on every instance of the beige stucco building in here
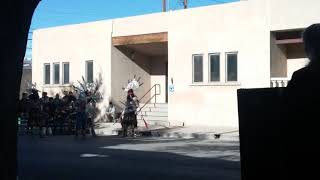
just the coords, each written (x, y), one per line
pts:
(206, 53)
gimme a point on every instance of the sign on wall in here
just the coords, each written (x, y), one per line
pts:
(171, 88)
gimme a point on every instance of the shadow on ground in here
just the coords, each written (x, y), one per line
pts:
(63, 157)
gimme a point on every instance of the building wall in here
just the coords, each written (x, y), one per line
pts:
(74, 44)
(239, 27)
(293, 14)
(144, 24)
(242, 27)
(25, 79)
(296, 58)
(123, 69)
(296, 64)
(158, 76)
(278, 59)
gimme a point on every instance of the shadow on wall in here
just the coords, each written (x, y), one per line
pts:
(136, 58)
(25, 80)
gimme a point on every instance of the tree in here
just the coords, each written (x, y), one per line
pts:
(15, 16)
(91, 90)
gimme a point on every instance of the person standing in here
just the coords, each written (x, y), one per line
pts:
(23, 110)
(24, 105)
(51, 109)
(92, 114)
(44, 103)
(35, 111)
(81, 115)
(133, 105)
(302, 99)
(57, 101)
(44, 99)
(129, 113)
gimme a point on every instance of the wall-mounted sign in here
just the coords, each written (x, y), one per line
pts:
(171, 88)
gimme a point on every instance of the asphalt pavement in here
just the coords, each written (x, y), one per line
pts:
(117, 158)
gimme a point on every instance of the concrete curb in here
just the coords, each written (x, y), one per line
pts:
(177, 132)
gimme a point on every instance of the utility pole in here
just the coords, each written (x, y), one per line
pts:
(164, 5)
(185, 4)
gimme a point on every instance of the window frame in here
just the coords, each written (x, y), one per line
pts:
(63, 80)
(54, 73)
(209, 67)
(44, 73)
(86, 71)
(193, 55)
(226, 66)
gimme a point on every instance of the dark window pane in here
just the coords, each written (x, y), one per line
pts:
(197, 68)
(232, 72)
(56, 73)
(89, 71)
(66, 73)
(47, 74)
(215, 67)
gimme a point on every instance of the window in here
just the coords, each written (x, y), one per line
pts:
(46, 73)
(65, 73)
(214, 65)
(56, 75)
(232, 67)
(89, 71)
(197, 63)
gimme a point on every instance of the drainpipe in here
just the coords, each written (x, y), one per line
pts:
(164, 5)
(185, 4)
(112, 28)
(110, 56)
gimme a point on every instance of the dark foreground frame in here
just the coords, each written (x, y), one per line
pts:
(261, 134)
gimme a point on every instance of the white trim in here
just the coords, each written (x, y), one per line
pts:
(63, 63)
(193, 55)
(226, 67)
(44, 73)
(53, 72)
(280, 79)
(86, 70)
(218, 84)
(56, 85)
(209, 67)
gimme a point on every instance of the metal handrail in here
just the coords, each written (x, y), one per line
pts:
(154, 86)
(145, 104)
(155, 95)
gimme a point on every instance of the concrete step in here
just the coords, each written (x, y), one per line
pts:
(162, 123)
(153, 118)
(160, 105)
(107, 129)
(157, 109)
(152, 113)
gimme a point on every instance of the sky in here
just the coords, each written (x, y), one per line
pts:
(50, 13)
